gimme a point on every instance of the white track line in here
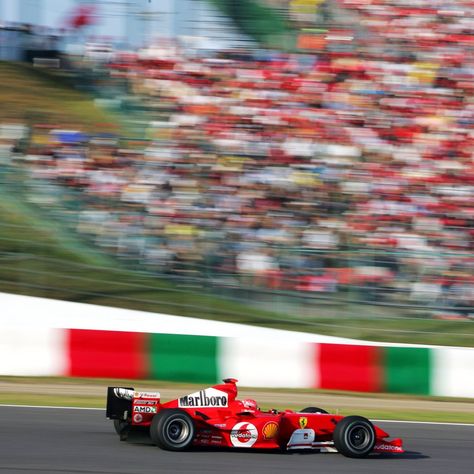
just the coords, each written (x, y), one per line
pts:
(50, 406)
(425, 422)
(378, 421)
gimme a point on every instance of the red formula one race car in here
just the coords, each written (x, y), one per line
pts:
(213, 417)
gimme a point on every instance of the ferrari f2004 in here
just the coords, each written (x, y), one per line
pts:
(214, 417)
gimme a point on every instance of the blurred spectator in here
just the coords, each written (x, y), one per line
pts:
(353, 169)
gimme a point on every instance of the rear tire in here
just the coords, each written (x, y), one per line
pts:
(354, 437)
(120, 425)
(172, 429)
(313, 410)
(122, 428)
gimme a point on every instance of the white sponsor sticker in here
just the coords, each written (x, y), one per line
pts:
(139, 401)
(144, 409)
(243, 435)
(210, 397)
(146, 395)
(301, 439)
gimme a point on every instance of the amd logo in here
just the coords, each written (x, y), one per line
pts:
(144, 409)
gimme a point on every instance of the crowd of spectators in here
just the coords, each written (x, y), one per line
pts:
(300, 172)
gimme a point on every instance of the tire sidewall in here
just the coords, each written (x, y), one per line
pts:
(342, 434)
(160, 426)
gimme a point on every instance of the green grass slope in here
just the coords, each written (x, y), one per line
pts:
(260, 22)
(33, 95)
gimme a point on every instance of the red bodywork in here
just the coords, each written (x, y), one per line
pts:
(223, 421)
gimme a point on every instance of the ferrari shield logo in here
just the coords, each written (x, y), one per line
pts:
(303, 422)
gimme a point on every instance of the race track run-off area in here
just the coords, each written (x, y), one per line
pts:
(52, 440)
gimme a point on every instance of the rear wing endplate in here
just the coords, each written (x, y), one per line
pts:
(119, 402)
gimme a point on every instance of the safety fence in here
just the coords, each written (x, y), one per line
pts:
(52, 338)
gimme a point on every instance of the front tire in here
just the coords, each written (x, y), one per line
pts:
(172, 429)
(354, 437)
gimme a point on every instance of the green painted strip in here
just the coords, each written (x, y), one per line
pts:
(407, 370)
(183, 358)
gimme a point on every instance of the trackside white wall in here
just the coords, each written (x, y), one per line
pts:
(32, 351)
(29, 311)
(453, 372)
(264, 362)
(33, 342)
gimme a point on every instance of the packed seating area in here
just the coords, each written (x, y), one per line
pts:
(298, 172)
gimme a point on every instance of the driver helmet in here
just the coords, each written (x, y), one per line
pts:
(250, 404)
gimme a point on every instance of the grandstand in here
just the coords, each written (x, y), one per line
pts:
(336, 178)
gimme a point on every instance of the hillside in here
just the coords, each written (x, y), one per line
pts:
(32, 95)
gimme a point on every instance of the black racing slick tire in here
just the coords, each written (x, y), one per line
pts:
(122, 428)
(172, 429)
(313, 410)
(119, 426)
(354, 437)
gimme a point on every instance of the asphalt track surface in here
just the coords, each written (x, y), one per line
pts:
(57, 441)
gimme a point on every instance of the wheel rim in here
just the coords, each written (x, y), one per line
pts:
(359, 437)
(177, 430)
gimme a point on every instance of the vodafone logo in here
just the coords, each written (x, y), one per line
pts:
(388, 447)
(243, 435)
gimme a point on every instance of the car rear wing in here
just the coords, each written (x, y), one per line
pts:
(119, 402)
